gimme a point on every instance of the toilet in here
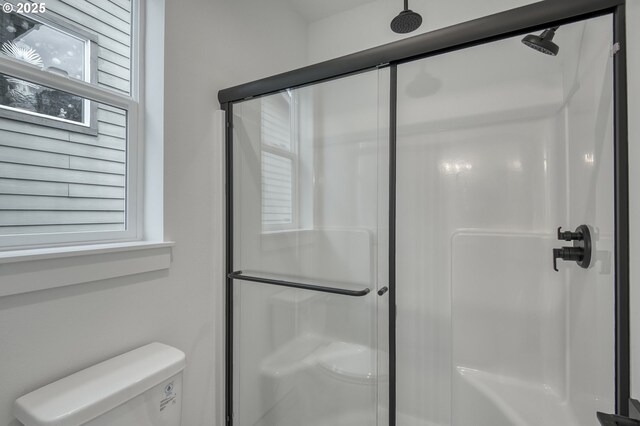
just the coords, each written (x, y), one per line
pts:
(142, 387)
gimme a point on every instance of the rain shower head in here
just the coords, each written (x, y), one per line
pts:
(544, 42)
(406, 21)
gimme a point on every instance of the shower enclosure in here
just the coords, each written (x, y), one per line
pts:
(392, 219)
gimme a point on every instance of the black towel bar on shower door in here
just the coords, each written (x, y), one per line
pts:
(238, 275)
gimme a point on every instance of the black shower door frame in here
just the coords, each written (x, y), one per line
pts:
(533, 17)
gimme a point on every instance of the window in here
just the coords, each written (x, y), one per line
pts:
(58, 49)
(69, 137)
(279, 162)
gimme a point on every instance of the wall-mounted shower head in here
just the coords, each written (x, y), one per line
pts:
(544, 42)
(406, 21)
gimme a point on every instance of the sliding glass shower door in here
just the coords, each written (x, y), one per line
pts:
(499, 261)
(310, 197)
(498, 146)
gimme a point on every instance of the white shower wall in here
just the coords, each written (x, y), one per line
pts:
(505, 146)
(588, 116)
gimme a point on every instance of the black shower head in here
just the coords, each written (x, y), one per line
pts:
(544, 42)
(406, 21)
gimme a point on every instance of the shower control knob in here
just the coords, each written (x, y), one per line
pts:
(581, 250)
(568, 235)
(567, 253)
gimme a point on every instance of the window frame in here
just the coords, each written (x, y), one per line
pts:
(294, 156)
(133, 105)
(88, 126)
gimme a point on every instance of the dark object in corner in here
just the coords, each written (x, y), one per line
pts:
(634, 408)
(615, 420)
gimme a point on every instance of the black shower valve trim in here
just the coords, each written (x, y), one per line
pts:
(581, 250)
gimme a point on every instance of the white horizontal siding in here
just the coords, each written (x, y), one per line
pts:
(29, 136)
(114, 69)
(113, 82)
(30, 129)
(106, 46)
(59, 189)
(26, 187)
(113, 57)
(104, 10)
(50, 174)
(83, 190)
(25, 202)
(90, 164)
(118, 11)
(37, 181)
(103, 141)
(58, 146)
(113, 109)
(124, 4)
(90, 17)
(114, 130)
(54, 180)
(34, 158)
(39, 218)
(112, 116)
(49, 229)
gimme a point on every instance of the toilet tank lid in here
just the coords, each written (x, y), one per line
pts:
(87, 394)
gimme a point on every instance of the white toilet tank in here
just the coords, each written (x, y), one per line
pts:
(139, 388)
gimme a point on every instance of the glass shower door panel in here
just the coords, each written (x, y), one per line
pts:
(498, 146)
(303, 357)
(306, 183)
(309, 167)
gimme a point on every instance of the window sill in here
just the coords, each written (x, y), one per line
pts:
(24, 271)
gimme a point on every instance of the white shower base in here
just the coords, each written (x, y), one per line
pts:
(486, 399)
(494, 400)
(480, 398)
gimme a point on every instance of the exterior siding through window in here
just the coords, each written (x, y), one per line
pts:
(54, 180)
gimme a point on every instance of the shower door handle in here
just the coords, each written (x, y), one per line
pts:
(239, 275)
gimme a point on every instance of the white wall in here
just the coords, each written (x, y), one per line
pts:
(490, 165)
(48, 334)
(367, 25)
